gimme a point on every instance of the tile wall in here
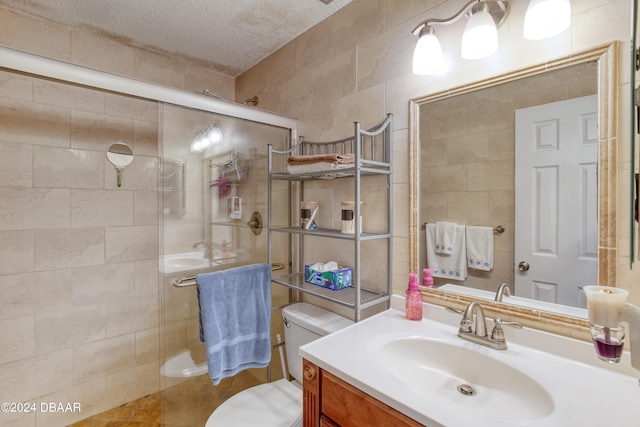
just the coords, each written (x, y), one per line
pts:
(79, 313)
(356, 65)
(79, 266)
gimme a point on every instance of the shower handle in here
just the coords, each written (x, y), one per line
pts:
(255, 223)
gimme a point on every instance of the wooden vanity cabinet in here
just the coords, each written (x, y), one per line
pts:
(331, 402)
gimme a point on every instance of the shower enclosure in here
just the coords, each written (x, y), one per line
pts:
(86, 266)
(212, 201)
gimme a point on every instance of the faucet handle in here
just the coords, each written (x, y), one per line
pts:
(497, 334)
(465, 324)
(499, 321)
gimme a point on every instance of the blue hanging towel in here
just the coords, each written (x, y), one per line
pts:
(235, 319)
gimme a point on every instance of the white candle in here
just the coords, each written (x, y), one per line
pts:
(604, 304)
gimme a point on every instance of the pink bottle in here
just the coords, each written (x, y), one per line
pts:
(413, 301)
(427, 280)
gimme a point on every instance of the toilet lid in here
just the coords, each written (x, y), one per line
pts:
(276, 404)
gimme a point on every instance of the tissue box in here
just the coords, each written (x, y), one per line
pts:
(334, 279)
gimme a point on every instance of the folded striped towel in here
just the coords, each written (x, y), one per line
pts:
(314, 158)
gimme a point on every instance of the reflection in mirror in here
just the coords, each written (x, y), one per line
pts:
(172, 185)
(120, 155)
(481, 166)
(463, 171)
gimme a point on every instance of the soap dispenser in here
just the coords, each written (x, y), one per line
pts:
(427, 280)
(413, 300)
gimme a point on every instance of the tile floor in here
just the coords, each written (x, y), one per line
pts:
(187, 404)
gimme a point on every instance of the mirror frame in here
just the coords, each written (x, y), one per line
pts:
(607, 58)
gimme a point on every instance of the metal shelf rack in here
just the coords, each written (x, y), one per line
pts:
(372, 149)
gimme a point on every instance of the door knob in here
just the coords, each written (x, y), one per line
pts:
(523, 266)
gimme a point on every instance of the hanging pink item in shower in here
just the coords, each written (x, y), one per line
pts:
(224, 187)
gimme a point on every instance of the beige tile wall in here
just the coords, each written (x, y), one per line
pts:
(356, 65)
(79, 274)
(80, 309)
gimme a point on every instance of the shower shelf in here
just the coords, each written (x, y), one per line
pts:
(372, 151)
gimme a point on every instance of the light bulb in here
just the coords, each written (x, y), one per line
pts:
(427, 56)
(546, 18)
(214, 134)
(480, 37)
(199, 143)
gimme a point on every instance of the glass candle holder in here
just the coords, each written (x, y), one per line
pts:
(608, 342)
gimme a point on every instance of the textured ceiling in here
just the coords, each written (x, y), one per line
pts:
(228, 36)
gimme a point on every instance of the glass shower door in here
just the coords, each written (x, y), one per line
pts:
(206, 225)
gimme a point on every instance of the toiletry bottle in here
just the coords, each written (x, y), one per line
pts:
(413, 301)
(427, 280)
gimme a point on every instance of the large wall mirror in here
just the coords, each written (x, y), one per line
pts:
(463, 169)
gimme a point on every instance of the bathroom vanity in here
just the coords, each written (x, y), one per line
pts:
(387, 370)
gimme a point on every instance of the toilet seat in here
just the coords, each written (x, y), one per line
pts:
(275, 404)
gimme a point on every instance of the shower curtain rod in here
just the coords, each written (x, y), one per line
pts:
(17, 60)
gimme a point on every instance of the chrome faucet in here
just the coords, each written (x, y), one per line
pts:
(207, 248)
(473, 327)
(503, 290)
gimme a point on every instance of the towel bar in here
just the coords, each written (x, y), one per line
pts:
(183, 282)
(497, 229)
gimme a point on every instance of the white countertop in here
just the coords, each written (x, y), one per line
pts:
(584, 390)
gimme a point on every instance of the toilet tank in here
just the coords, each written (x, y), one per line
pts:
(305, 323)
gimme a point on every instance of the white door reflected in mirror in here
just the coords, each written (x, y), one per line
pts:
(556, 228)
(120, 155)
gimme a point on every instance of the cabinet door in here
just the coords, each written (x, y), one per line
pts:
(350, 407)
(326, 422)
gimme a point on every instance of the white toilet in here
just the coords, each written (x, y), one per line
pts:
(279, 403)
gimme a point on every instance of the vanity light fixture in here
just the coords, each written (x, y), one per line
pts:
(480, 38)
(546, 18)
(206, 138)
(427, 56)
(543, 19)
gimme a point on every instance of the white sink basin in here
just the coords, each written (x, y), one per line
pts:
(450, 374)
(183, 262)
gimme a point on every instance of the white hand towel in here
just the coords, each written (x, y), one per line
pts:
(480, 248)
(450, 266)
(445, 235)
